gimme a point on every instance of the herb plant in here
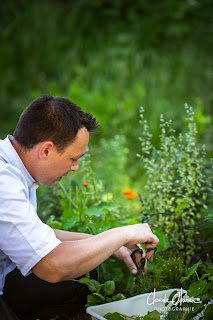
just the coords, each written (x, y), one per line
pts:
(177, 185)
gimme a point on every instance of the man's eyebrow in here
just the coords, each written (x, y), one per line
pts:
(81, 155)
(78, 157)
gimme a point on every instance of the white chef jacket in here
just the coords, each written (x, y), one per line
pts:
(24, 238)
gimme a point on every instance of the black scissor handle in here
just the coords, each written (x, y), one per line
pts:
(150, 249)
(137, 251)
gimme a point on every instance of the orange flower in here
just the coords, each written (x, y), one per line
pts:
(131, 196)
(85, 184)
(127, 191)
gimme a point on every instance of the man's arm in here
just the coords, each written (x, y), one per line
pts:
(123, 253)
(71, 259)
(70, 236)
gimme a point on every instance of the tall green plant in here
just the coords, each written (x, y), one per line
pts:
(177, 186)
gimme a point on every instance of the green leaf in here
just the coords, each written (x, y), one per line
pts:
(83, 228)
(171, 296)
(105, 209)
(90, 301)
(179, 200)
(174, 314)
(93, 285)
(50, 220)
(99, 298)
(108, 299)
(116, 273)
(95, 211)
(70, 222)
(114, 316)
(198, 307)
(113, 208)
(54, 223)
(181, 207)
(205, 275)
(163, 240)
(190, 271)
(154, 315)
(196, 288)
(84, 280)
(67, 213)
(87, 275)
(109, 287)
(118, 296)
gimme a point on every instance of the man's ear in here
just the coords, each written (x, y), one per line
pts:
(45, 150)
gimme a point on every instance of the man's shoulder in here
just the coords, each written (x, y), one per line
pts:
(6, 167)
(10, 177)
(3, 142)
(3, 149)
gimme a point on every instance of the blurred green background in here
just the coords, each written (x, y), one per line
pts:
(110, 58)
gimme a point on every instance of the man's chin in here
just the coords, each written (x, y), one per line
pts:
(49, 183)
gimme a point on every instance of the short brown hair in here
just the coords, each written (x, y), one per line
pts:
(52, 118)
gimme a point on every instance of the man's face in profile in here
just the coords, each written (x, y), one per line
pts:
(59, 164)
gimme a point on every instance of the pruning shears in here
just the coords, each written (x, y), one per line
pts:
(141, 264)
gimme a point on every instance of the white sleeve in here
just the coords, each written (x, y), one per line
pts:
(24, 238)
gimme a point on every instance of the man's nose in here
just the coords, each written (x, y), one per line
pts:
(74, 166)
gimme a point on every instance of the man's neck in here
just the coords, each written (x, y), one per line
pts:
(18, 149)
(25, 155)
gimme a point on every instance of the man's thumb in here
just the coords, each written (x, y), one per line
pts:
(132, 267)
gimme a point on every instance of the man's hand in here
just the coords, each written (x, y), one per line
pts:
(140, 233)
(124, 254)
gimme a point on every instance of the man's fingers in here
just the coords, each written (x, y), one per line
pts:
(151, 245)
(150, 252)
(131, 265)
(145, 266)
(153, 241)
(141, 233)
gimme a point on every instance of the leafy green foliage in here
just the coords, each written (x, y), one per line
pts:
(117, 65)
(101, 293)
(190, 271)
(197, 288)
(77, 215)
(208, 313)
(201, 292)
(177, 183)
(164, 243)
(162, 274)
(85, 208)
(114, 315)
(154, 315)
(197, 302)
